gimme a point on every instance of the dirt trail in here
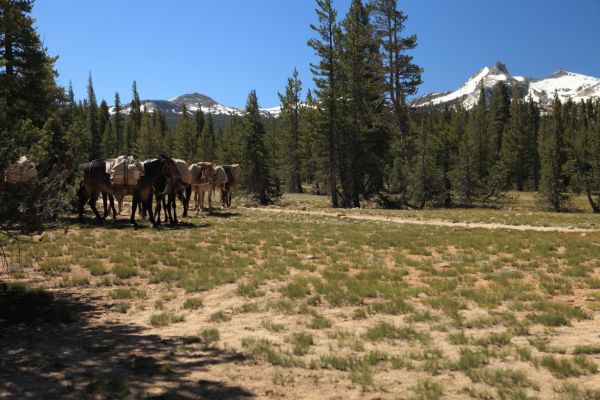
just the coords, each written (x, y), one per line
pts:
(430, 222)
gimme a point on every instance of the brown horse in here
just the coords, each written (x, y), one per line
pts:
(203, 181)
(234, 177)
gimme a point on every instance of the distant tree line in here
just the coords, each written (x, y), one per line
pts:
(355, 138)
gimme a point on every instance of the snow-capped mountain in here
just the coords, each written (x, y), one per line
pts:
(193, 102)
(568, 85)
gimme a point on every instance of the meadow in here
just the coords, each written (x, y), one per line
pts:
(248, 303)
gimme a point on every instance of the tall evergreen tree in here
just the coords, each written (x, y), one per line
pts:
(117, 126)
(133, 121)
(185, 138)
(199, 121)
(326, 79)
(586, 154)
(92, 121)
(466, 175)
(403, 78)
(533, 127)
(290, 116)
(106, 131)
(515, 151)
(362, 140)
(30, 122)
(498, 115)
(553, 182)
(146, 146)
(258, 177)
(29, 91)
(478, 132)
(207, 145)
(312, 157)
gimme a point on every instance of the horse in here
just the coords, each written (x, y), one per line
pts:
(96, 181)
(207, 177)
(182, 191)
(234, 177)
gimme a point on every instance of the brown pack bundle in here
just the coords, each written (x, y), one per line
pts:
(20, 172)
(126, 171)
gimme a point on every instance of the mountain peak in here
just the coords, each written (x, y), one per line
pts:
(560, 72)
(568, 85)
(194, 98)
(499, 69)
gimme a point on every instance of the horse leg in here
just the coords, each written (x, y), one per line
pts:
(167, 209)
(173, 201)
(134, 205)
(210, 201)
(120, 198)
(104, 204)
(111, 200)
(222, 195)
(148, 205)
(92, 203)
(186, 200)
(156, 214)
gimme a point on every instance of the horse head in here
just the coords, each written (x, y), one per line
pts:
(206, 174)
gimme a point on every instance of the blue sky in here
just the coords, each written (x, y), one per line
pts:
(226, 48)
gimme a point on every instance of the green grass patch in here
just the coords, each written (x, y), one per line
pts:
(164, 319)
(192, 303)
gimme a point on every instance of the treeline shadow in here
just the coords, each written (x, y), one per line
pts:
(49, 348)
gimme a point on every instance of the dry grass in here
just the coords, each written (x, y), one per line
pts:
(362, 300)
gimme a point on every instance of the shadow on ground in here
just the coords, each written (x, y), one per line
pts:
(51, 347)
(222, 214)
(123, 223)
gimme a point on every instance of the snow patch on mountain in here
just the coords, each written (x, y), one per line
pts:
(567, 85)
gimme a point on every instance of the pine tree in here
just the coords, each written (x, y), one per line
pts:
(103, 116)
(362, 140)
(207, 141)
(258, 177)
(553, 158)
(402, 77)
(199, 121)
(326, 79)
(533, 127)
(105, 128)
(117, 127)
(425, 175)
(312, 158)
(185, 138)
(515, 151)
(146, 146)
(162, 133)
(230, 145)
(56, 134)
(29, 91)
(466, 172)
(133, 121)
(290, 116)
(586, 154)
(30, 122)
(92, 121)
(499, 114)
(477, 131)
(136, 106)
